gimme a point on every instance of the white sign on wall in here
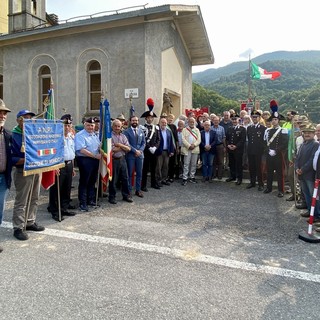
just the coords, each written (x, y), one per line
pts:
(133, 91)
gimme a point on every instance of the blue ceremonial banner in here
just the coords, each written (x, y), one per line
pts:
(44, 145)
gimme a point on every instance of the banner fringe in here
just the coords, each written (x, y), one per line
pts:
(40, 170)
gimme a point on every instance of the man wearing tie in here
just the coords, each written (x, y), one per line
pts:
(135, 156)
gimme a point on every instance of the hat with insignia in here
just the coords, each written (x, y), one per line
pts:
(308, 128)
(149, 113)
(234, 116)
(96, 119)
(255, 113)
(121, 117)
(66, 118)
(89, 120)
(276, 115)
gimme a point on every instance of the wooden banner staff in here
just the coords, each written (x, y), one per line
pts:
(26, 214)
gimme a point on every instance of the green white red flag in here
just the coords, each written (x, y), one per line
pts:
(261, 74)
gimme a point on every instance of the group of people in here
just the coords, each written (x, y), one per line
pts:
(169, 149)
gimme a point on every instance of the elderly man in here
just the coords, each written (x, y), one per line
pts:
(27, 187)
(120, 146)
(5, 159)
(87, 148)
(220, 148)
(191, 140)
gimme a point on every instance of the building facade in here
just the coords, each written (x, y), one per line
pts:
(127, 57)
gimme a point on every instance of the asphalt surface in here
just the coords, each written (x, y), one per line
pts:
(203, 251)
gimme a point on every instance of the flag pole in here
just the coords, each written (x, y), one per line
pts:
(28, 203)
(249, 80)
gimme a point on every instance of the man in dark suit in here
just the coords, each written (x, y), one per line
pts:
(207, 150)
(164, 152)
(235, 140)
(135, 156)
(172, 160)
(256, 147)
(5, 159)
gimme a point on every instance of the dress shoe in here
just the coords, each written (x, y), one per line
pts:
(93, 204)
(112, 201)
(317, 229)
(35, 227)
(193, 180)
(83, 208)
(280, 194)
(128, 199)
(165, 183)
(230, 179)
(260, 188)
(144, 189)
(155, 187)
(71, 207)
(305, 214)
(301, 205)
(267, 191)
(291, 198)
(56, 217)
(184, 182)
(20, 234)
(68, 213)
(139, 194)
(250, 185)
(171, 180)
(204, 179)
(238, 182)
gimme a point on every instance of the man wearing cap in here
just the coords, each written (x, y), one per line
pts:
(27, 187)
(135, 156)
(235, 140)
(87, 148)
(304, 168)
(65, 175)
(152, 135)
(5, 159)
(276, 139)
(256, 145)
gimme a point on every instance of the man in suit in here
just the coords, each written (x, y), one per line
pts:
(135, 156)
(5, 159)
(256, 146)
(152, 135)
(235, 140)
(173, 160)
(164, 152)
(207, 150)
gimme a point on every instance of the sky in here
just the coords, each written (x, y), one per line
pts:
(235, 28)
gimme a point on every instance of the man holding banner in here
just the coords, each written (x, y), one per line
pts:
(27, 187)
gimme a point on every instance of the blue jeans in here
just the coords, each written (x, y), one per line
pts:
(207, 163)
(307, 187)
(135, 164)
(3, 194)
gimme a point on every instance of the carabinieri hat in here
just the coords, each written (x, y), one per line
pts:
(149, 112)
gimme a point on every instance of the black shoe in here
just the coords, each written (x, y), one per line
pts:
(305, 214)
(83, 208)
(301, 206)
(155, 187)
(20, 234)
(139, 194)
(291, 198)
(238, 182)
(171, 180)
(184, 182)
(193, 180)
(93, 204)
(71, 207)
(280, 194)
(35, 227)
(260, 188)
(144, 189)
(128, 199)
(230, 179)
(112, 201)
(267, 191)
(250, 185)
(165, 183)
(56, 217)
(68, 213)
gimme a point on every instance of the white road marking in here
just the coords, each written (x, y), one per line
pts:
(182, 254)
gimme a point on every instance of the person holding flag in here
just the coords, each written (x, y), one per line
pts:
(27, 187)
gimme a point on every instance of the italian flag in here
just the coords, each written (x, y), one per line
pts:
(259, 73)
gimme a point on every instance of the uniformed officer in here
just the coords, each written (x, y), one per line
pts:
(152, 135)
(256, 146)
(235, 140)
(276, 139)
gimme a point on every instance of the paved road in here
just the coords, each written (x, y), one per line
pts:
(204, 251)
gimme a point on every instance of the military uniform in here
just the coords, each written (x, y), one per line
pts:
(276, 142)
(256, 146)
(236, 136)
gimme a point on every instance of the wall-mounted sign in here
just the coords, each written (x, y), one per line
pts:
(134, 92)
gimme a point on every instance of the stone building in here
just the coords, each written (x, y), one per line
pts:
(138, 53)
